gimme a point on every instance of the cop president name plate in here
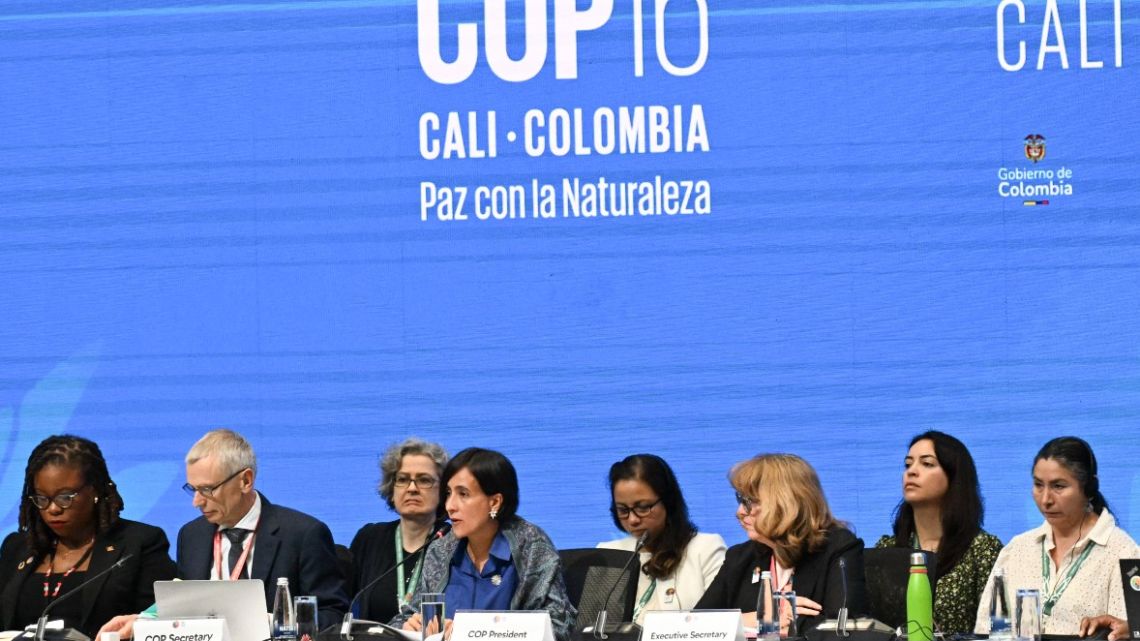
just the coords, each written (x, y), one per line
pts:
(695, 625)
(485, 625)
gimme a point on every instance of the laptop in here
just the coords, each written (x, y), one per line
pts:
(887, 571)
(1130, 577)
(240, 603)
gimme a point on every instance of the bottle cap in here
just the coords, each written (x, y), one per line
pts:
(765, 574)
(282, 580)
(917, 558)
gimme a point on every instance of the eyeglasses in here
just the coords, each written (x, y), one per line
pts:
(63, 499)
(747, 502)
(423, 481)
(208, 490)
(642, 510)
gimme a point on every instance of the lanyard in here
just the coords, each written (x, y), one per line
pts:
(402, 597)
(58, 584)
(644, 599)
(778, 583)
(235, 572)
(1051, 598)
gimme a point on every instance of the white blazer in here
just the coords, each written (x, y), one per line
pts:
(699, 564)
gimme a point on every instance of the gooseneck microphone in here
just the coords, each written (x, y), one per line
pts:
(600, 622)
(41, 624)
(841, 622)
(346, 627)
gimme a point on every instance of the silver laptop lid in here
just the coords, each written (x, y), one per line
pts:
(241, 603)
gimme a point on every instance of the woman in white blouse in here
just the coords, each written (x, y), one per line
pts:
(677, 563)
(1072, 558)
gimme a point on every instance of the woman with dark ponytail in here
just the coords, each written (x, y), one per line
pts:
(70, 530)
(941, 511)
(1072, 558)
(677, 563)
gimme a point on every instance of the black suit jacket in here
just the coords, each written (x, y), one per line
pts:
(288, 544)
(374, 553)
(817, 577)
(129, 588)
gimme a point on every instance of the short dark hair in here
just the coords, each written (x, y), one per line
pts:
(68, 451)
(495, 474)
(962, 508)
(669, 545)
(1076, 455)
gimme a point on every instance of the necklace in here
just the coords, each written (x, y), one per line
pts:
(53, 593)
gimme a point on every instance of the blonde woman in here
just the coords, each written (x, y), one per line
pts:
(795, 537)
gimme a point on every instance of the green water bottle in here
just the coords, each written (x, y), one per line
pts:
(919, 602)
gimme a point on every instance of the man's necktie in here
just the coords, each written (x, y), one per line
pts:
(236, 537)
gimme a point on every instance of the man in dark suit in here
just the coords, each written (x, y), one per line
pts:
(242, 535)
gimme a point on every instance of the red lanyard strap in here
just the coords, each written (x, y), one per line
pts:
(58, 584)
(247, 547)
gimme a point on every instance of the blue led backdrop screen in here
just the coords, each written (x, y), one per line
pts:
(571, 230)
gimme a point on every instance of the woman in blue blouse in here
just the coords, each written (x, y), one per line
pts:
(492, 559)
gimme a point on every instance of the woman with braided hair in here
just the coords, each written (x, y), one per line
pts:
(70, 530)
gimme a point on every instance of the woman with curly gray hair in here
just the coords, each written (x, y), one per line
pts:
(409, 484)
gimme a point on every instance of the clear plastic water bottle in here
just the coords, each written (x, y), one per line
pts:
(1000, 629)
(284, 622)
(767, 610)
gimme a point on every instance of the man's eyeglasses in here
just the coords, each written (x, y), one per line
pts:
(642, 510)
(63, 500)
(747, 502)
(208, 490)
(423, 481)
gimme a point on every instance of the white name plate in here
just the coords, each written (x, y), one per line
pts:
(188, 629)
(485, 625)
(696, 625)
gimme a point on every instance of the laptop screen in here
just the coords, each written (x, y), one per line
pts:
(1130, 577)
(240, 603)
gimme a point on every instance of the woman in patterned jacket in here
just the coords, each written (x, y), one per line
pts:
(941, 511)
(492, 559)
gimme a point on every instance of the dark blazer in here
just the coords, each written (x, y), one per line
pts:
(127, 589)
(817, 577)
(288, 544)
(373, 553)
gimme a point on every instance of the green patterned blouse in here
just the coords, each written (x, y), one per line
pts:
(957, 593)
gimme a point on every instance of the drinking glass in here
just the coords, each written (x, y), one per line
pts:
(305, 611)
(1027, 616)
(787, 603)
(433, 611)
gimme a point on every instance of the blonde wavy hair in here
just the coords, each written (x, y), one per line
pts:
(793, 512)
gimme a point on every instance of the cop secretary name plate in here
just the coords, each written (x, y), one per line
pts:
(188, 629)
(488, 625)
(695, 625)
